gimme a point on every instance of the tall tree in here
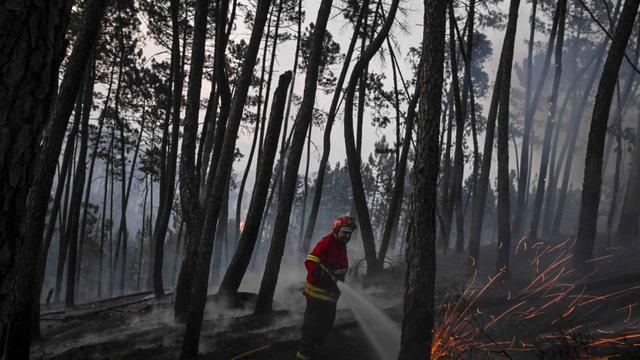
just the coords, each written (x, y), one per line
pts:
(418, 315)
(353, 156)
(560, 16)
(78, 185)
(576, 118)
(28, 96)
(458, 161)
(169, 168)
(531, 105)
(595, 146)
(219, 184)
(240, 261)
(303, 121)
(628, 225)
(504, 200)
(189, 198)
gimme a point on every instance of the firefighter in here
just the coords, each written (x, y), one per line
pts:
(326, 265)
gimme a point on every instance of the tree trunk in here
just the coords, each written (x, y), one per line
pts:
(593, 164)
(189, 197)
(78, 186)
(395, 206)
(257, 133)
(216, 186)
(104, 215)
(503, 77)
(458, 161)
(83, 227)
(303, 214)
(219, 90)
(62, 233)
(560, 16)
(240, 261)
(142, 232)
(303, 121)
(21, 229)
(530, 112)
(326, 142)
(447, 203)
(418, 315)
(628, 227)
(571, 143)
(626, 235)
(616, 175)
(480, 194)
(504, 214)
(352, 152)
(169, 174)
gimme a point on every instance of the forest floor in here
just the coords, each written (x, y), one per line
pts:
(544, 310)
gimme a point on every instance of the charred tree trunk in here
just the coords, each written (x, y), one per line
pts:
(593, 164)
(447, 204)
(83, 227)
(353, 156)
(530, 112)
(458, 161)
(216, 186)
(78, 187)
(628, 227)
(418, 316)
(189, 197)
(26, 104)
(303, 214)
(169, 174)
(240, 261)
(616, 175)
(303, 121)
(548, 133)
(571, 143)
(63, 238)
(219, 91)
(391, 220)
(503, 77)
(257, 133)
(504, 214)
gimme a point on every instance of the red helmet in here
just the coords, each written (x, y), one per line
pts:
(344, 223)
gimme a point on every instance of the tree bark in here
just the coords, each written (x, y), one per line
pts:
(166, 194)
(27, 96)
(595, 146)
(303, 121)
(240, 261)
(398, 181)
(216, 186)
(62, 233)
(560, 17)
(418, 315)
(628, 227)
(458, 161)
(189, 197)
(78, 187)
(504, 214)
(571, 143)
(530, 112)
(353, 157)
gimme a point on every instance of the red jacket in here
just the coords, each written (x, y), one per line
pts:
(331, 254)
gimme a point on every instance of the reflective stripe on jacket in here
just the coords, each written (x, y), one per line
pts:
(332, 255)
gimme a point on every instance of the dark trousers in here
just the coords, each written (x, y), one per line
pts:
(318, 321)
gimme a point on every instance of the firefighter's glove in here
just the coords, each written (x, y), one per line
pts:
(323, 275)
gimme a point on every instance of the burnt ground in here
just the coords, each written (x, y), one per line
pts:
(598, 315)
